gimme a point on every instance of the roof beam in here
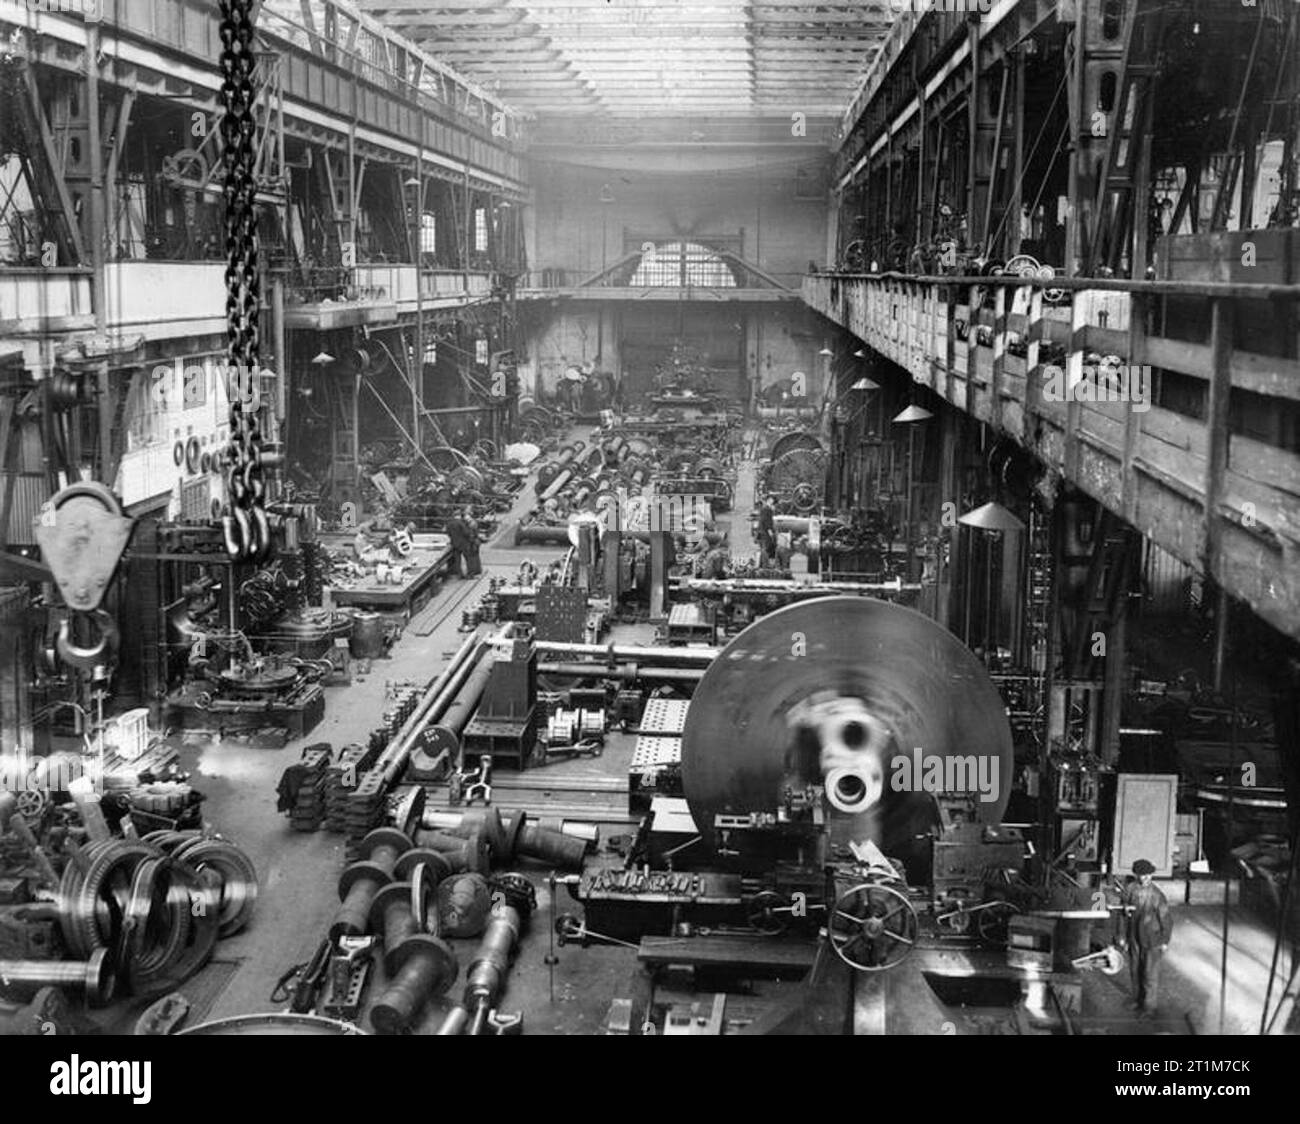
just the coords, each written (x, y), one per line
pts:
(603, 34)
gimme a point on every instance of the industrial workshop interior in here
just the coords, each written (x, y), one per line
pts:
(649, 517)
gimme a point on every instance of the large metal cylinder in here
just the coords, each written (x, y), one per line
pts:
(502, 832)
(836, 695)
(360, 882)
(565, 852)
(392, 916)
(542, 534)
(424, 966)
(367, 641)
(468, 853)
(460, 706)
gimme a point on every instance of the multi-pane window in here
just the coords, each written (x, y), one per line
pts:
(481, 351)
(431, 352)
(428, 234)
(679, 264)
(480, 230)
(147, 410)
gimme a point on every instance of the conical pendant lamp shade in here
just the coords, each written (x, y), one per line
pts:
(992, 517)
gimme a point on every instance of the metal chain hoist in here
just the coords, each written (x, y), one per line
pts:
(244, 524)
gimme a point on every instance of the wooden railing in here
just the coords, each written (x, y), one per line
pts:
(1216, 497)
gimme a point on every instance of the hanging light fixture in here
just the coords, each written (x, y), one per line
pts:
(826, 351)
(323, 357)
(859, 354)
(865, 383)
(991, 517)
(911, 414)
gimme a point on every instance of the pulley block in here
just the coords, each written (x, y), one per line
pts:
(82, 534)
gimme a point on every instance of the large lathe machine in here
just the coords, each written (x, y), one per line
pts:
(822, 826)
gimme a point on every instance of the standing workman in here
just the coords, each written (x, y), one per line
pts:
(767, 529)
(1145, 937)
(473, 567)
(459, 534)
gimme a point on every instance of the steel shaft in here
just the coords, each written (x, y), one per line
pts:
(612, 653)
(395, 754)
(491, 962)
(566, 852)
(454, 1022)
(627, 673)
(94, 977)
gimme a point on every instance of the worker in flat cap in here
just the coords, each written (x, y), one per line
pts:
(1147, 927)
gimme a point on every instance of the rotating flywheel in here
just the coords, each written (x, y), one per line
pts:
(826, 703)
(800, 475)
(789, 442)
(467, 477)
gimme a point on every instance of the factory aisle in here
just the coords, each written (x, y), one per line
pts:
(744, 502)
(299, 871)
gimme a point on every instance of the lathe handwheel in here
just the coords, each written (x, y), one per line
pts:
(31, 804)
(872, 927)
(760, 912)
(804, 498)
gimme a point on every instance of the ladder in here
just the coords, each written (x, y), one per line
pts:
(1118, 187)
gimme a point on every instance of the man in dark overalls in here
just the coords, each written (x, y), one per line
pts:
(473, 567)
(767, 530)
(463, 533)
(1145, 937)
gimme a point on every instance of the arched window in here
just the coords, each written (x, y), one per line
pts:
(678, 264)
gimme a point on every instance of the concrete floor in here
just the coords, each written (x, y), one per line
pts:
(572, 994)
(741, 537)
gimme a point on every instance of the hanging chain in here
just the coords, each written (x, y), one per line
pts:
(247, 532)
